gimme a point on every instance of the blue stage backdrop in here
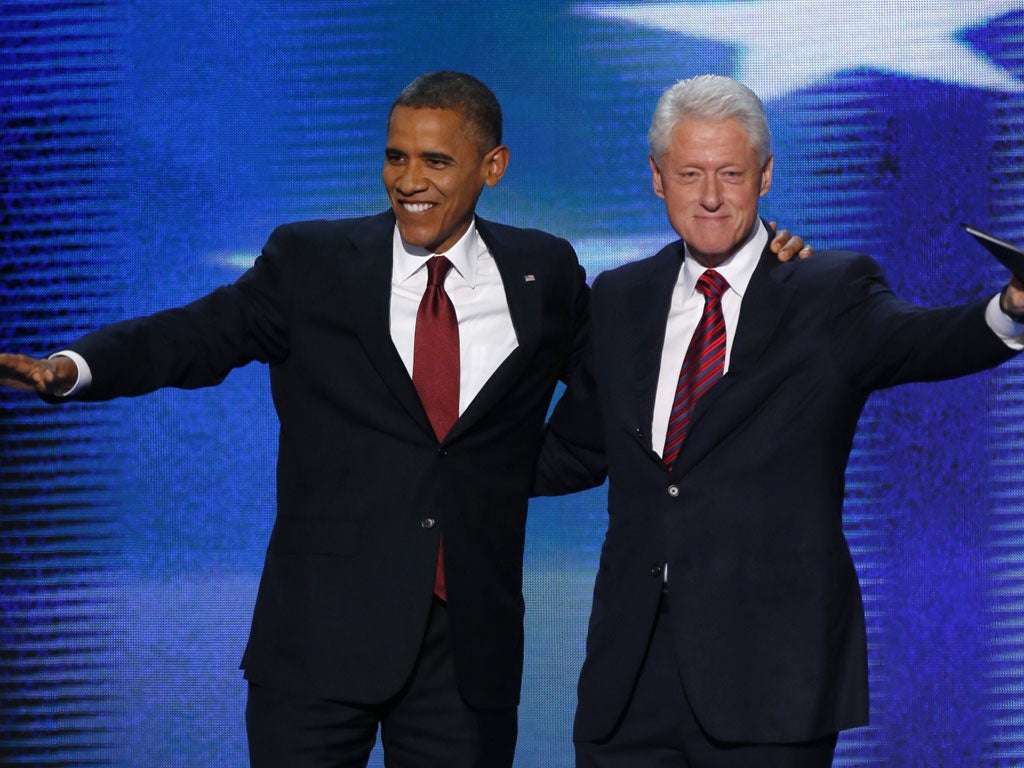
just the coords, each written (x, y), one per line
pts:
(147, 151)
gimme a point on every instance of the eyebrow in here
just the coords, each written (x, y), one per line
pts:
(425, 155)
(437, 156)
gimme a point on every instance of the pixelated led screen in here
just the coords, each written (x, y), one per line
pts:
(148, 150)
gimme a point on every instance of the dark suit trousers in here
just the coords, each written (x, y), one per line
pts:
(659, 728)
(426, 725)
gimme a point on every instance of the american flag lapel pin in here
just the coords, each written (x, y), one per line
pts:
(529, 278)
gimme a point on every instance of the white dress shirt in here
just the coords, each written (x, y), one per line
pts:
(684, 314)
(486, 335)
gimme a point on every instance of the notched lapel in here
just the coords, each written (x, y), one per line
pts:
(768, 295)
(649, 301)
(368, 267)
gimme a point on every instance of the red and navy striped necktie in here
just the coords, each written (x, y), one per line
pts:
(703, 364)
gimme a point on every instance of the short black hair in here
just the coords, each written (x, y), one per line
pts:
(459, 92)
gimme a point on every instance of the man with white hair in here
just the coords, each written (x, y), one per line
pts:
(720, 394)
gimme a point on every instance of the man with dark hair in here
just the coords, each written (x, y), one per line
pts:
(720, 394)
(460, 93)
(412, 356)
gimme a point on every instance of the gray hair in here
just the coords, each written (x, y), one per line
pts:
(712, 98)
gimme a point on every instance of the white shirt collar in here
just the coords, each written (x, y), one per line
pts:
(409, 259)
(737, 269)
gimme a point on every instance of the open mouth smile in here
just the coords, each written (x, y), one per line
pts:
(417, 207)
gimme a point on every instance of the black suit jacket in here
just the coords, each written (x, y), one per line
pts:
(766, 610)
(347, 583)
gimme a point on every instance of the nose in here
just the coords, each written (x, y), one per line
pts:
(710, 193)
(411, 180)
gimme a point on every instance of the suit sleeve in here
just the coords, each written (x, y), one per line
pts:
(572, 455)
(880, 341)
(197, 345)
(580, 306)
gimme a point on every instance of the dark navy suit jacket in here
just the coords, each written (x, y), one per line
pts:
(766, 615)
(346, 587)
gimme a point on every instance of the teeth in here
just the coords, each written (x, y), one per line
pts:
(417, 207)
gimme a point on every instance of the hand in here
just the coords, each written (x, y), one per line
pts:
(1011, 301)
(50, 377)
(787, 247)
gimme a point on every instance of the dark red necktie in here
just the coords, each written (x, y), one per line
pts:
(703, 364)
(435, 365)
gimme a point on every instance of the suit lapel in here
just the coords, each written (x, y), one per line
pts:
(649, 300)
(524, 304)
(766, 299)
(764, 302)
(369, 270)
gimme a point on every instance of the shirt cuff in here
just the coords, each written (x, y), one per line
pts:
(1011, 333)
(84, 373)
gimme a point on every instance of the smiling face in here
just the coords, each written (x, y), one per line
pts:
(434, 172)
(711, 178)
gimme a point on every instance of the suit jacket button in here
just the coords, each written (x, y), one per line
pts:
(673, 490)
(656, 570)
(428, 522)
(442, 451)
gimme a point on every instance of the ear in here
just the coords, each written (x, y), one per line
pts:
(495, 164)
(659, 188)
(766, 175)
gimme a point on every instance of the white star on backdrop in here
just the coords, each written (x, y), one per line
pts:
(790, 44)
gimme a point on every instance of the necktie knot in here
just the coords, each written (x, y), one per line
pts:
(712, 284)
(437, 270)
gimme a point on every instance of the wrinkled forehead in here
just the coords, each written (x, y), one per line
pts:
(695, 137)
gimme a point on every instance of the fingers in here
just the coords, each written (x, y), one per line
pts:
(792, 248)
(1012, 298)
(27, 373)
(21, 372)
(14, 383)
(787, 246)
(781, 242)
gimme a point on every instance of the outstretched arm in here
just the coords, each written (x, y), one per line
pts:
(880, 341)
